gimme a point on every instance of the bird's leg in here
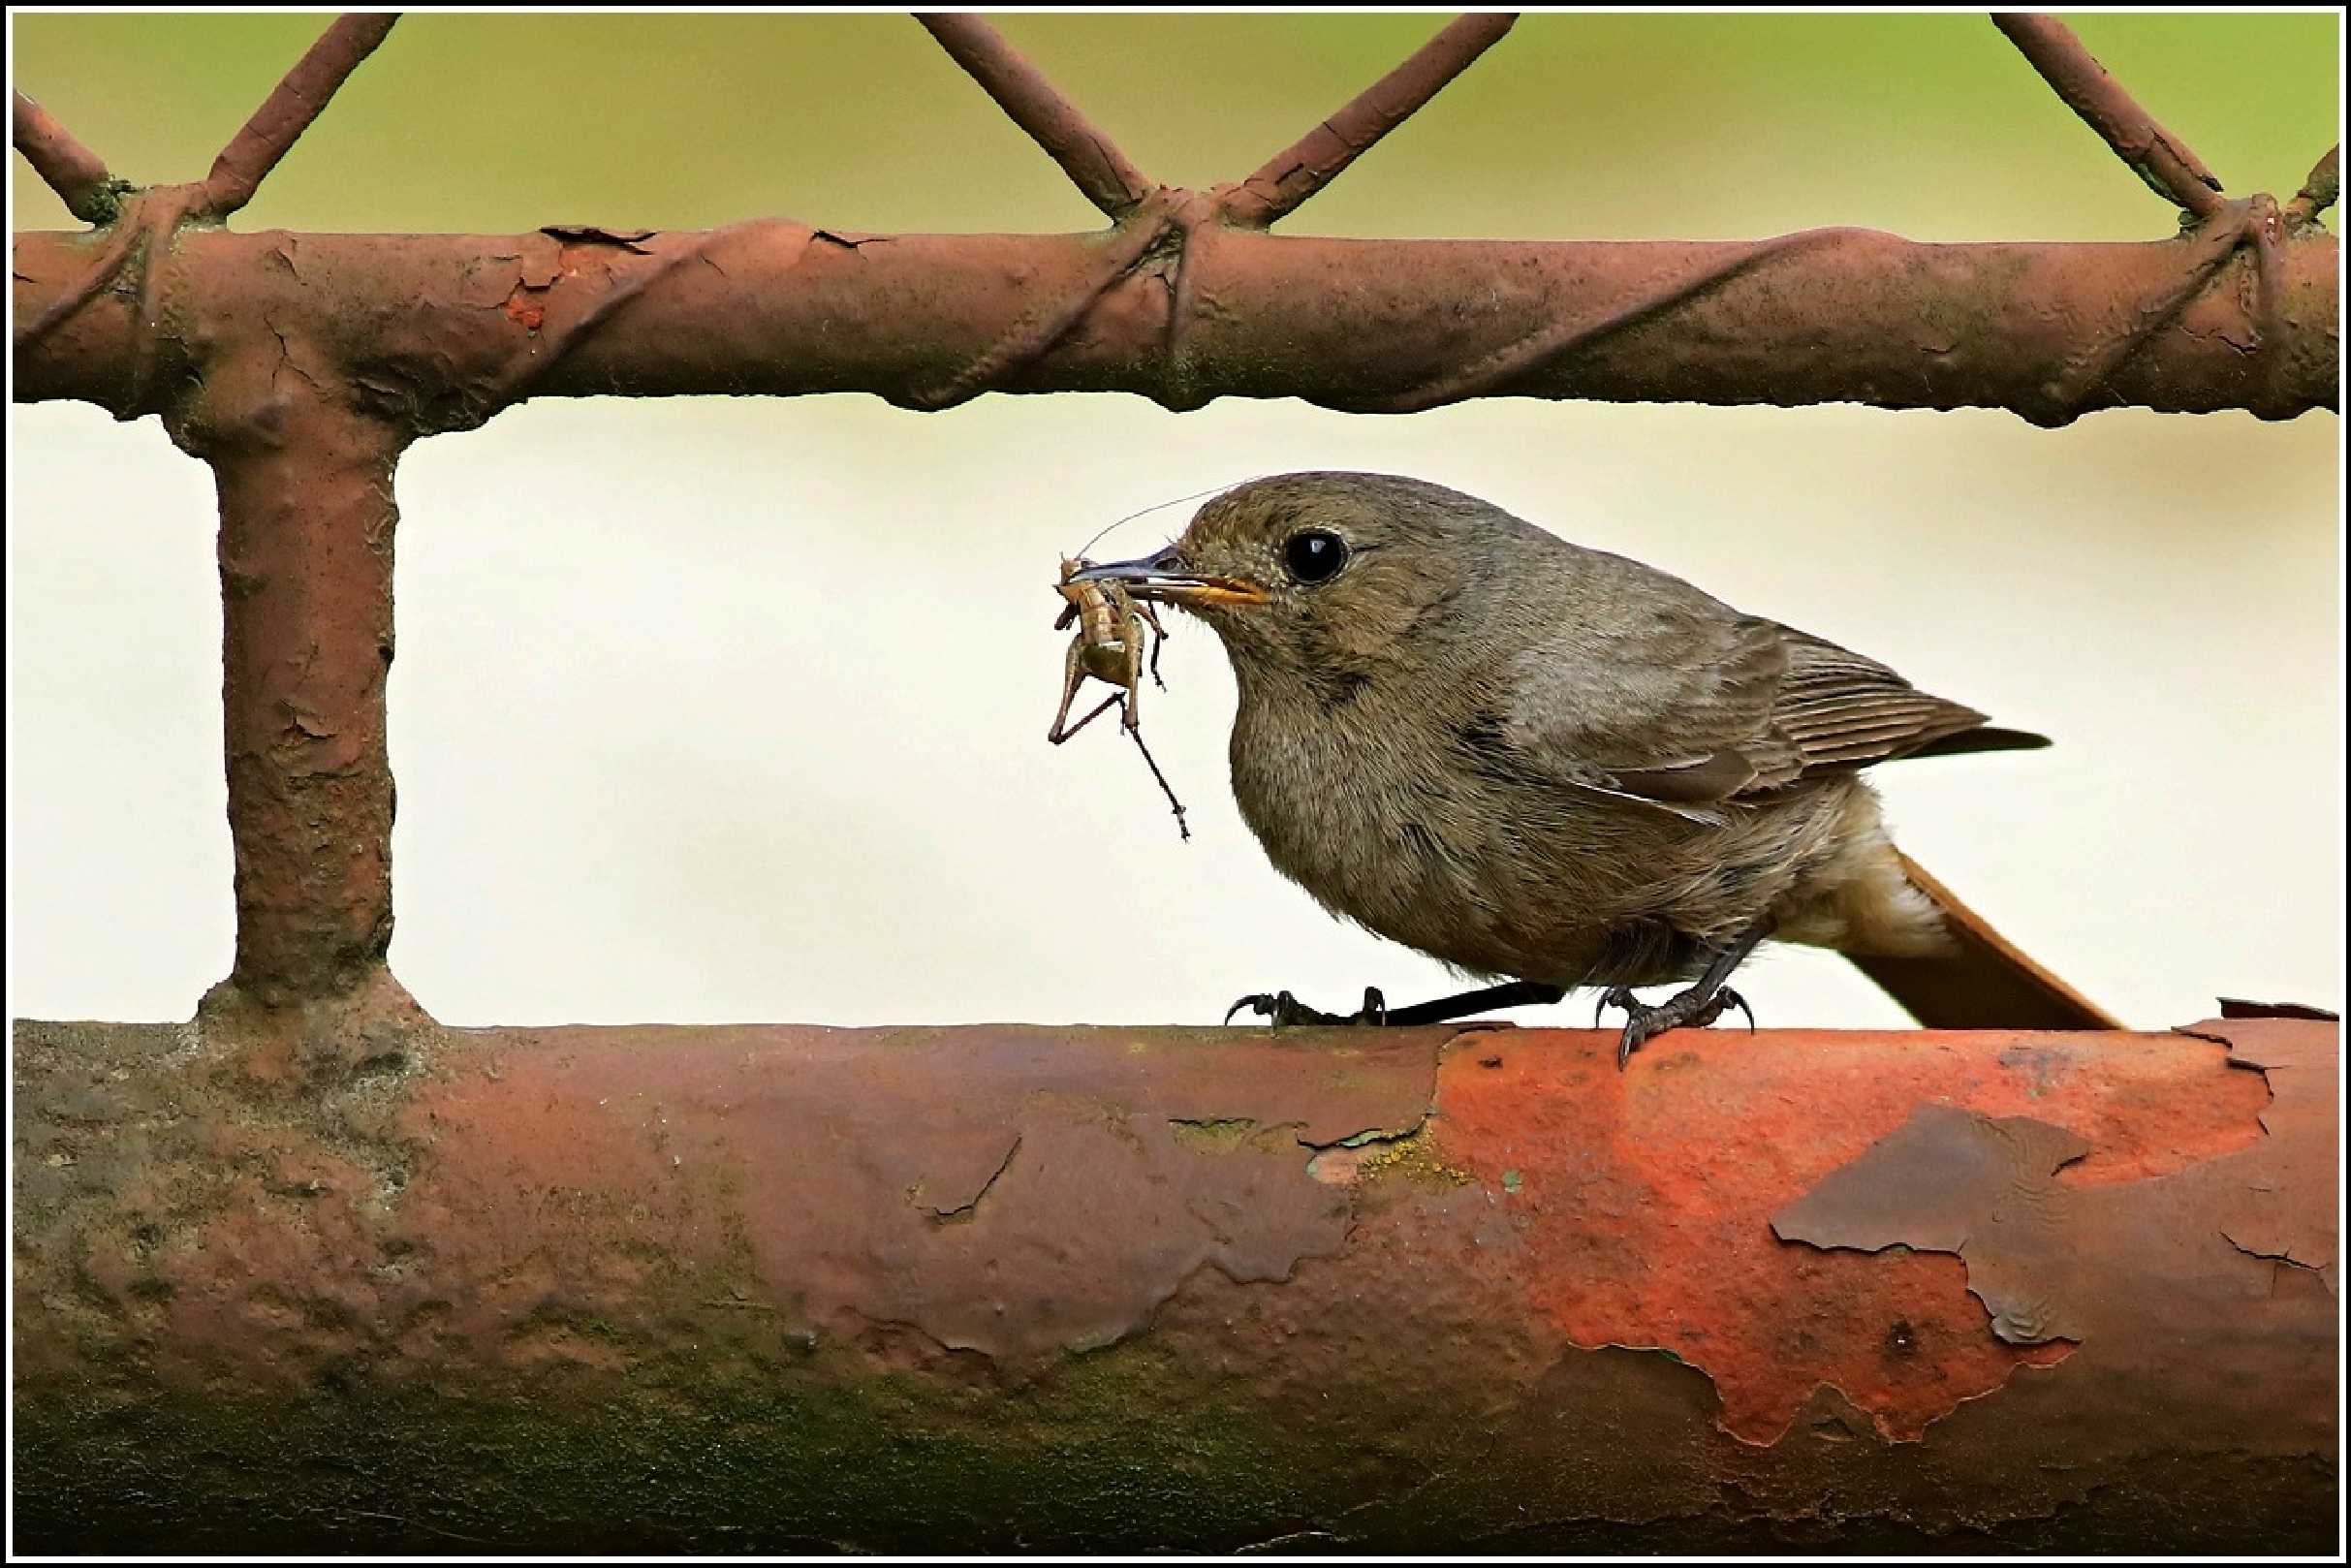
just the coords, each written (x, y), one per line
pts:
(1517, 994)
(1285, 1009)
(1699, 1006)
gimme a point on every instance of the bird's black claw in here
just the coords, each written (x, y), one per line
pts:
(1643, 1023)
(1284, 1011)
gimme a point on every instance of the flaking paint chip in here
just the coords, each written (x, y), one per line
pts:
(1953, 1181)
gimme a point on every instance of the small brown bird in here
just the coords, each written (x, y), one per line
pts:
(1535, 761)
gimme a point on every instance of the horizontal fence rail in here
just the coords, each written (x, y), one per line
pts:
(771, 1288)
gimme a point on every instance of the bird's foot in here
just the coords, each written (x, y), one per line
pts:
(1696, 1007)
(1284, 1011)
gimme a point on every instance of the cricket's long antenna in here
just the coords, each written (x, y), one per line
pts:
(1178, 501)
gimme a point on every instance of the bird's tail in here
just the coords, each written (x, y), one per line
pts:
(1987, 983)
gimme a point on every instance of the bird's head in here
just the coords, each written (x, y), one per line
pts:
(1326, 574)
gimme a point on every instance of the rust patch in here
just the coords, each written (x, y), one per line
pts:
(1951, 1180)
(1642, 1199)
(526, 306)
(2200, 1252)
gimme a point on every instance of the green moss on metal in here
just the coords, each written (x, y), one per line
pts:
(1116, 1448)
(1217, 1136)
(1415, 1156)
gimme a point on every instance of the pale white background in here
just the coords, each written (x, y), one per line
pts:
(719, 709)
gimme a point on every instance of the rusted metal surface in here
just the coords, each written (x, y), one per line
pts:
(305, 571)
(299, 365)
(679, 1288)
(2304, 1080)
(928, 321)
(1951, 1180)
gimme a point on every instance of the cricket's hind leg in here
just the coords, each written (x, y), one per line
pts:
(1074, 676)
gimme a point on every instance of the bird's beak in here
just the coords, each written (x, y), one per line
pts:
(1163, 577)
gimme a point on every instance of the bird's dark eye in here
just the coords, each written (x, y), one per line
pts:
(1315, 555)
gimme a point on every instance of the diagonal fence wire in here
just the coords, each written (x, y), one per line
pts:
(2319, 190)
(1292, 176)
(65, 166)
(2170, 167)
(286, 112)
(1095, 166)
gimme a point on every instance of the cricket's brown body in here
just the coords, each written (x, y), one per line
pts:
(1108, 647)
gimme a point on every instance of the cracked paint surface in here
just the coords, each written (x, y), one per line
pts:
(2129, 1271)
(1044, 1194)
(2304, 1070)
(1646, 1196)
(1952, 1180)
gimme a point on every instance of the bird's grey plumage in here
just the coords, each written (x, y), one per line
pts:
(1535, 759)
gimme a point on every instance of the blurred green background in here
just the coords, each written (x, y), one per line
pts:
(729, 709)
(1640, 126)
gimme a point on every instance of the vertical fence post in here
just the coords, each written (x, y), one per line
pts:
(306, 516)
(304, 476)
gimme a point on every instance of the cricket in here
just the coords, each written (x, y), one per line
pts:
(1108, 647)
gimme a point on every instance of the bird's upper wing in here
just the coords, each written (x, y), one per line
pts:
(1692, 705)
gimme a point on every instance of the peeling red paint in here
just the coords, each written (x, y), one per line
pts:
(1658, 1234)
(1982, 1188)
(526, 306)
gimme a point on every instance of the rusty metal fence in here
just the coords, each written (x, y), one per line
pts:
(313, 1270)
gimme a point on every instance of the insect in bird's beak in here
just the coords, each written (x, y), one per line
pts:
(1164, 578)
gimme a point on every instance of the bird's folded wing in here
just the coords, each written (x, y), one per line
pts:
(1690, 710)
